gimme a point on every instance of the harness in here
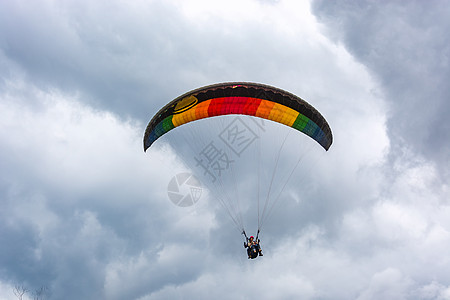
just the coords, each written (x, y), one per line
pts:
(247, 239)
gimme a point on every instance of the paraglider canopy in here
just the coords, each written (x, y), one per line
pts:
(243, 98)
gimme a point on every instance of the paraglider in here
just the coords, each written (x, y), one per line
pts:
(253, 246)
(239, 98)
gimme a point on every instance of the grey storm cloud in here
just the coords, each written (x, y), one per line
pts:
(406, 48)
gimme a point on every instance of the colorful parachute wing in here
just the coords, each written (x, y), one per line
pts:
(242, 98)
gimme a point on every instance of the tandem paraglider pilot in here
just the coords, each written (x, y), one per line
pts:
(253, 248)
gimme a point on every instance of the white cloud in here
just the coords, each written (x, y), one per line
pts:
(387, 284)
(86, 211)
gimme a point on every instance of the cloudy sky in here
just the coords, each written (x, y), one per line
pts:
(85, 212)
